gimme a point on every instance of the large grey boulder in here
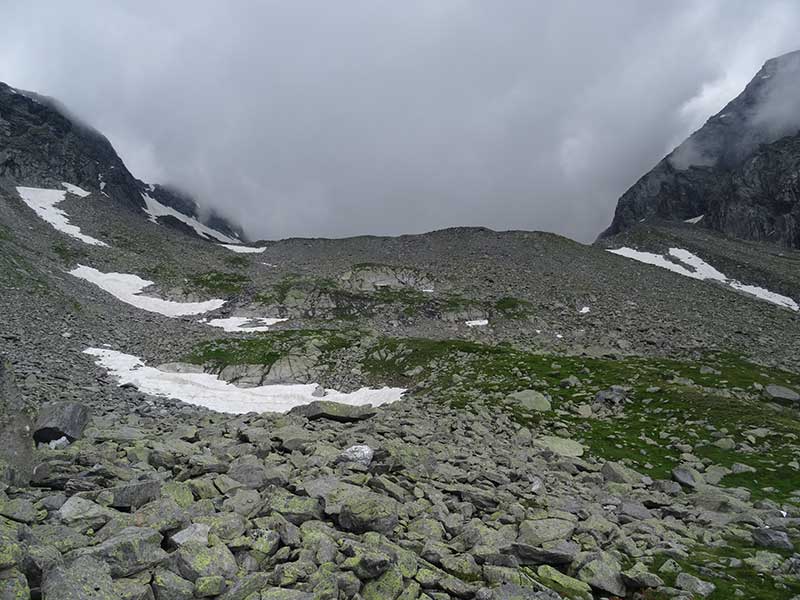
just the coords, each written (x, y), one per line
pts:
(331, 491)
(697, 587)
(135, 494)
(17, 451)
(61, 419)
(772, 538)
(13, 585)
(367, 511)
(134, 549)
(82, 513)
(559, 445)
(781, 393)
(198, 560)
(86, 578)
(540, 531)
(169, 586)
(529, 400)
(334, 411)
(603, 573)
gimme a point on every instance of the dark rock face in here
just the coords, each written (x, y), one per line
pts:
(740, 169)
(61, 419)
(41, 145)
(17, 456)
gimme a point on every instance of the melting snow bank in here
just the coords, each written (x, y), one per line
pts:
(244, 249)
(43, 202)
(155, 209)
(203, 389)
(127, 288)
(477, 323)
(695, 267)
(242, 324)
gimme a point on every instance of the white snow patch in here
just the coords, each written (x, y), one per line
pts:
(74, 189)
(102, 183)
(694, 220)
(203, 389)
(477, 323)
(243, 324)
(585, 310)
(128, 288)
(155, 209)
(695, 267)
(43, 202)
(243, 249)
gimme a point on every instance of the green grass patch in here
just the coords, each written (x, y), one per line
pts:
(268, 348)
(217, 282)
(67, 253)
(513, 308)
(730, 577)
(237, 262)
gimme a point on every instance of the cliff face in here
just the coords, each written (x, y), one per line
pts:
(740, 170)
(41, 145)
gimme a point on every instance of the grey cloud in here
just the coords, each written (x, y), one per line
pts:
(380, 117)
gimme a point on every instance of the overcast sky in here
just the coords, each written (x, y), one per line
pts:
(328, 118)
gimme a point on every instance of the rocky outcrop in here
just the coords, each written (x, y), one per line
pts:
(740, 171)
(42, 144)
(17, 455)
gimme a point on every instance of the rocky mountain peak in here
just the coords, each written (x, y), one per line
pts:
(42, 144)
(739, 171)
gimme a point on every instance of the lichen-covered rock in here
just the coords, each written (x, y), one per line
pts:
(13, 585)
(206, 587)
(86, 578)
(169, 586)
(195, 561)
(132, 550)
(366, 511)
(567, 586)
(603, 573)
(540, 531)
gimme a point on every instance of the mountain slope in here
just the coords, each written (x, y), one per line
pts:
(42, 145)
(740, 171)
(462, 414)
